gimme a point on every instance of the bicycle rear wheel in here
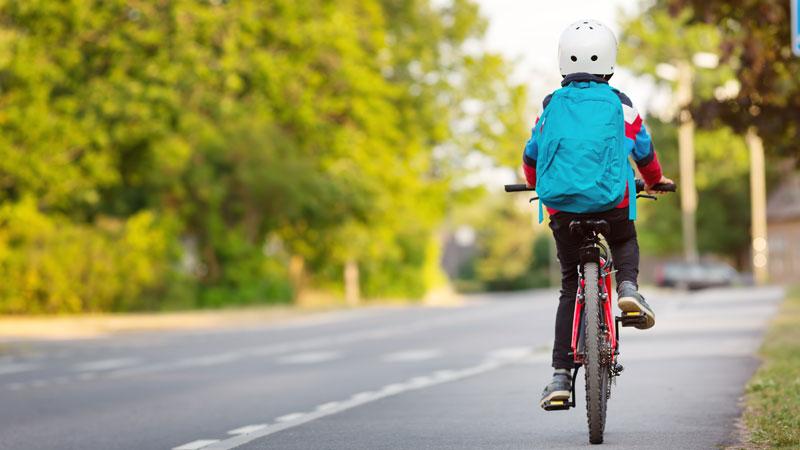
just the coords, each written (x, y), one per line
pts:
(597, 376)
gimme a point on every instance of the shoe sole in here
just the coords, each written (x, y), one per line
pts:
(555, 395)
(630, 304)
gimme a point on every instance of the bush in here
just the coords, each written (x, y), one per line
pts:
(51, 265)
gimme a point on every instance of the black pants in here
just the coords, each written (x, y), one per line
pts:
(624, 251)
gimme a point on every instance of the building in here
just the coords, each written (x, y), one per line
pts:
(783, 232)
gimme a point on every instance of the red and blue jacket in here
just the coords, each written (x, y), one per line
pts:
(637, 140)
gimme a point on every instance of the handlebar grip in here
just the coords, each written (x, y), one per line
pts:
(518, 188)
(665, 187)
(661, 187)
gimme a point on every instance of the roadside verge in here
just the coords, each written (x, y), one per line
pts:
(97, 325)
(86, 326)
(772, 402)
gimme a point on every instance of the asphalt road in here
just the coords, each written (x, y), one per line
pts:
(387, 378)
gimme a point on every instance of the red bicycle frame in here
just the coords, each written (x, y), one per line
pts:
(608, 313)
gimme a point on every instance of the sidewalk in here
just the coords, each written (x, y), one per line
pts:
(87, 326)
(14, 328)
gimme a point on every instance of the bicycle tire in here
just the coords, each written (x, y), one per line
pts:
(595, 373)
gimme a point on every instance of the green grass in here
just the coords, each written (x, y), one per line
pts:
(772, 413)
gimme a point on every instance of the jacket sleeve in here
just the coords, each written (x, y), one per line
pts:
(531, 152)
(639, 143)
(529, 156)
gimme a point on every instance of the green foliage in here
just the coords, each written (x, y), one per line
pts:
(752, 40)
(509, 254)
(723, 184)
(755, 43)
(656, 37)
(722, 158)
(659, 223)
(51, 265)
(722, 178)
(331, 131)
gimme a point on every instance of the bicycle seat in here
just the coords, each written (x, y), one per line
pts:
(582, 227)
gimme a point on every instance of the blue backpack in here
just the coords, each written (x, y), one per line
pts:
(582, 166)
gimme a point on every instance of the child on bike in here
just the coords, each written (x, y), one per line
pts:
(580, 147)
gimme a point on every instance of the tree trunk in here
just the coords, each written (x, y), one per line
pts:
(296, 275)
(352, 291)
(758, 206)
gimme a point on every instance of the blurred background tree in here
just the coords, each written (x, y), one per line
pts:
(723, 189)
(184, 153)
(755, 43)
(505, 252)
(726, 101)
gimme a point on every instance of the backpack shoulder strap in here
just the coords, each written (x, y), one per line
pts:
(631, 194)
(541, 212)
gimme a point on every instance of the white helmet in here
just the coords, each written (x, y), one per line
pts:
(587, 46)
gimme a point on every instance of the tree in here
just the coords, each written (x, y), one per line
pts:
(755, 43)
(753, 86)
(722, 184)
(508, 253)
(251, 133)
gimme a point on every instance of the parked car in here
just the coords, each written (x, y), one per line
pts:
(700, 275)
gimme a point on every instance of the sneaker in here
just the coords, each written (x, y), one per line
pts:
(560, 388)
(630, 300)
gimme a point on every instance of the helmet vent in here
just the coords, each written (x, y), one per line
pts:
(594, 57)
(573, 58)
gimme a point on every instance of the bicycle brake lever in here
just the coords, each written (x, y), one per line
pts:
(647, 196)
(533, 199)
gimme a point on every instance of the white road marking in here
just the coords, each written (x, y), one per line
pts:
(289, 417)
(211, 360)
(393, 388)
(6, 369)
(412, 355)
(198, 444)
(419, 381)
(105, 364)
(105, 368)
(442, 374)
(248, 429)
(361, 396)
(510, 353)
(309, 358)
(86, 376)
(469, 315)
(327, 406)
(292, 420)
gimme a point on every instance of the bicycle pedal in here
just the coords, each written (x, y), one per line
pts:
(633, 318)
(556, 405)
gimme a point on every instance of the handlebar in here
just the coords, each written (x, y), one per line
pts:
(661, 187)
(518, 188)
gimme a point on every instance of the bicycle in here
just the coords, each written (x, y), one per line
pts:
(595, 342)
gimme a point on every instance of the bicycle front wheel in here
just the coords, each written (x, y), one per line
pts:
(596, 373)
